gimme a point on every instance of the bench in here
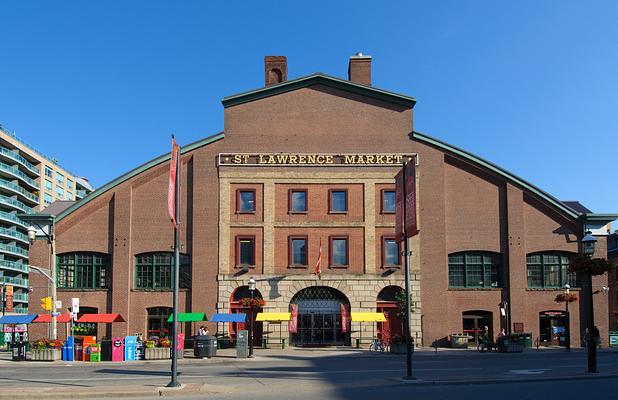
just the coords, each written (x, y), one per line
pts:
(278, 341)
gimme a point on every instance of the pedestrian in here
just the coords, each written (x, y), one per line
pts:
(502, 333)
(202, 331)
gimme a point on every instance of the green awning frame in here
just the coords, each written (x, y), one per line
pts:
(189, 317)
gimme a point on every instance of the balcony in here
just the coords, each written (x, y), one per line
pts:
(12, 218)
(21, 297)
(10, 202)
(14, 250)
(11, 234)
(16, 157)
(15, 172)
(14, 266)
(80, 194)
(20, 310)
(19, 191)
(14, 281)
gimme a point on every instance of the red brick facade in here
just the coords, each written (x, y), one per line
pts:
(463, 206)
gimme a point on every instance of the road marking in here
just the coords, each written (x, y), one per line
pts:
(529, 371)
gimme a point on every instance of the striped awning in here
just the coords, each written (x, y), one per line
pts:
(274, 316)
(368, 317)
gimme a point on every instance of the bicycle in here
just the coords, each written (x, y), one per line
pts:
(485, 347)
(378, 345)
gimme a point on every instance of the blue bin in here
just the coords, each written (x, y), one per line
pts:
(67, 349)
(130, 345)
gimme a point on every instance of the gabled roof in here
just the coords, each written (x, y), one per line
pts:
(112, 184)
(319, 79)
(497, 170)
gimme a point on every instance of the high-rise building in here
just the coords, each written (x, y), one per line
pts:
(29, 182)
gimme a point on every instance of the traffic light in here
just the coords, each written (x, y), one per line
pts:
(46, 303)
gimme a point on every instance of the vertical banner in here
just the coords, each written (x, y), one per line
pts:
(171, 190)
(345, 318)
(8, 299)
(318, 263)
(405, 191)
(293, 323)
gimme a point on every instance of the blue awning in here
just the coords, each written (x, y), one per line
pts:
(239, 317)
(18, 319)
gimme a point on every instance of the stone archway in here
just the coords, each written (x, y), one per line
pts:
(319, 321)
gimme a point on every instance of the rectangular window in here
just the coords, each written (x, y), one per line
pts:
(390, 252)
(83, 271)
(59, 192)
(69, 196)
(49, 185)
(456, 271)
(474, 270)
(388, 201)
(338, 201)
(59, 178)
(69, 184)
(245, 250)
(338, 251)
(48, 172)
(245, 201)
(298, 251)
(47, 198)
(297, 201)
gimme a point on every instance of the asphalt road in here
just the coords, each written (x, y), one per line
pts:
(331, 374)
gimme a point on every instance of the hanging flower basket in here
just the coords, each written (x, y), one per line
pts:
(593, 266)
(564, 297)
(253, 303)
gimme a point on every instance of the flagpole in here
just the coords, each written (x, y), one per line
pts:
(407, 278)
(174, 382)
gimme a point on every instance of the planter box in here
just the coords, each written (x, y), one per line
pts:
(399, 348)
(46, 354)
(157, 353)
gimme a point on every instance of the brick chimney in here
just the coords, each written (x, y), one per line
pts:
(359, 69)
(275, 69)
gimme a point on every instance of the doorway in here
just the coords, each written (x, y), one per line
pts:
(387, 304)
(552, 328)
(474, 322)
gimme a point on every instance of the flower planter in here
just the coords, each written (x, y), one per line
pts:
(46, 354)
(398, 348)
(157, 353)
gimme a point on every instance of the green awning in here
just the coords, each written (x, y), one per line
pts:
(189, 317)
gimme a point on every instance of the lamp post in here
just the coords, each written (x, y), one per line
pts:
(588, 245)
(567, 332)
(251, 285)
(51, 239)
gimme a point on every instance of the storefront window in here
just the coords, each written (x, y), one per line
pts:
(549, 270)
(474, 270)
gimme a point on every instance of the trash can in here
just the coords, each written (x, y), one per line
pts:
(613, 339)
(205, 346)
(95, 352)
(18, 350)
(459, 340)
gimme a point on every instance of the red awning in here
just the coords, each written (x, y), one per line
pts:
(101, 318)
(46, 318)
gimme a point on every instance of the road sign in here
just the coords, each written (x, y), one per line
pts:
(58, 304)
(55, 314)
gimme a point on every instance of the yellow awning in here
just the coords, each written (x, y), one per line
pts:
(274, 316)
(368, 317)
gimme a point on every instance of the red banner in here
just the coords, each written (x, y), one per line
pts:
(180, 345)
(406, 225)
(171, 190)
(8, 299)
(293, 323)
(345, 318)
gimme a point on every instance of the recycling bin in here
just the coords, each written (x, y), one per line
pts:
(205, 346)
(18, 351)
(130, 343)
(95, 352)
(67, 349)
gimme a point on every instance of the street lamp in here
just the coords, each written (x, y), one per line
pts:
(588, 245)
(251, 285)
(567, 332)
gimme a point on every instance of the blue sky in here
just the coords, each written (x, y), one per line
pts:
(529, 85)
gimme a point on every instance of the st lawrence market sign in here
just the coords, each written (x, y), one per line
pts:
(310, 160)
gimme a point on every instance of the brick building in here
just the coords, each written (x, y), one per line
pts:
(306, 167)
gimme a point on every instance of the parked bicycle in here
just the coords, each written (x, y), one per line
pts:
(378, 345)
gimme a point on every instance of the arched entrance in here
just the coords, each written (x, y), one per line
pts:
(319, 317)
(474, 322)
(236, 306)
(387, 304)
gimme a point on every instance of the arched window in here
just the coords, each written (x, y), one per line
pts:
(83, 270)
(154, 271)
(549, 270)
(275, 76)
(473, 269)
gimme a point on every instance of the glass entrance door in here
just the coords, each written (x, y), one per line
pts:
(319, 329)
